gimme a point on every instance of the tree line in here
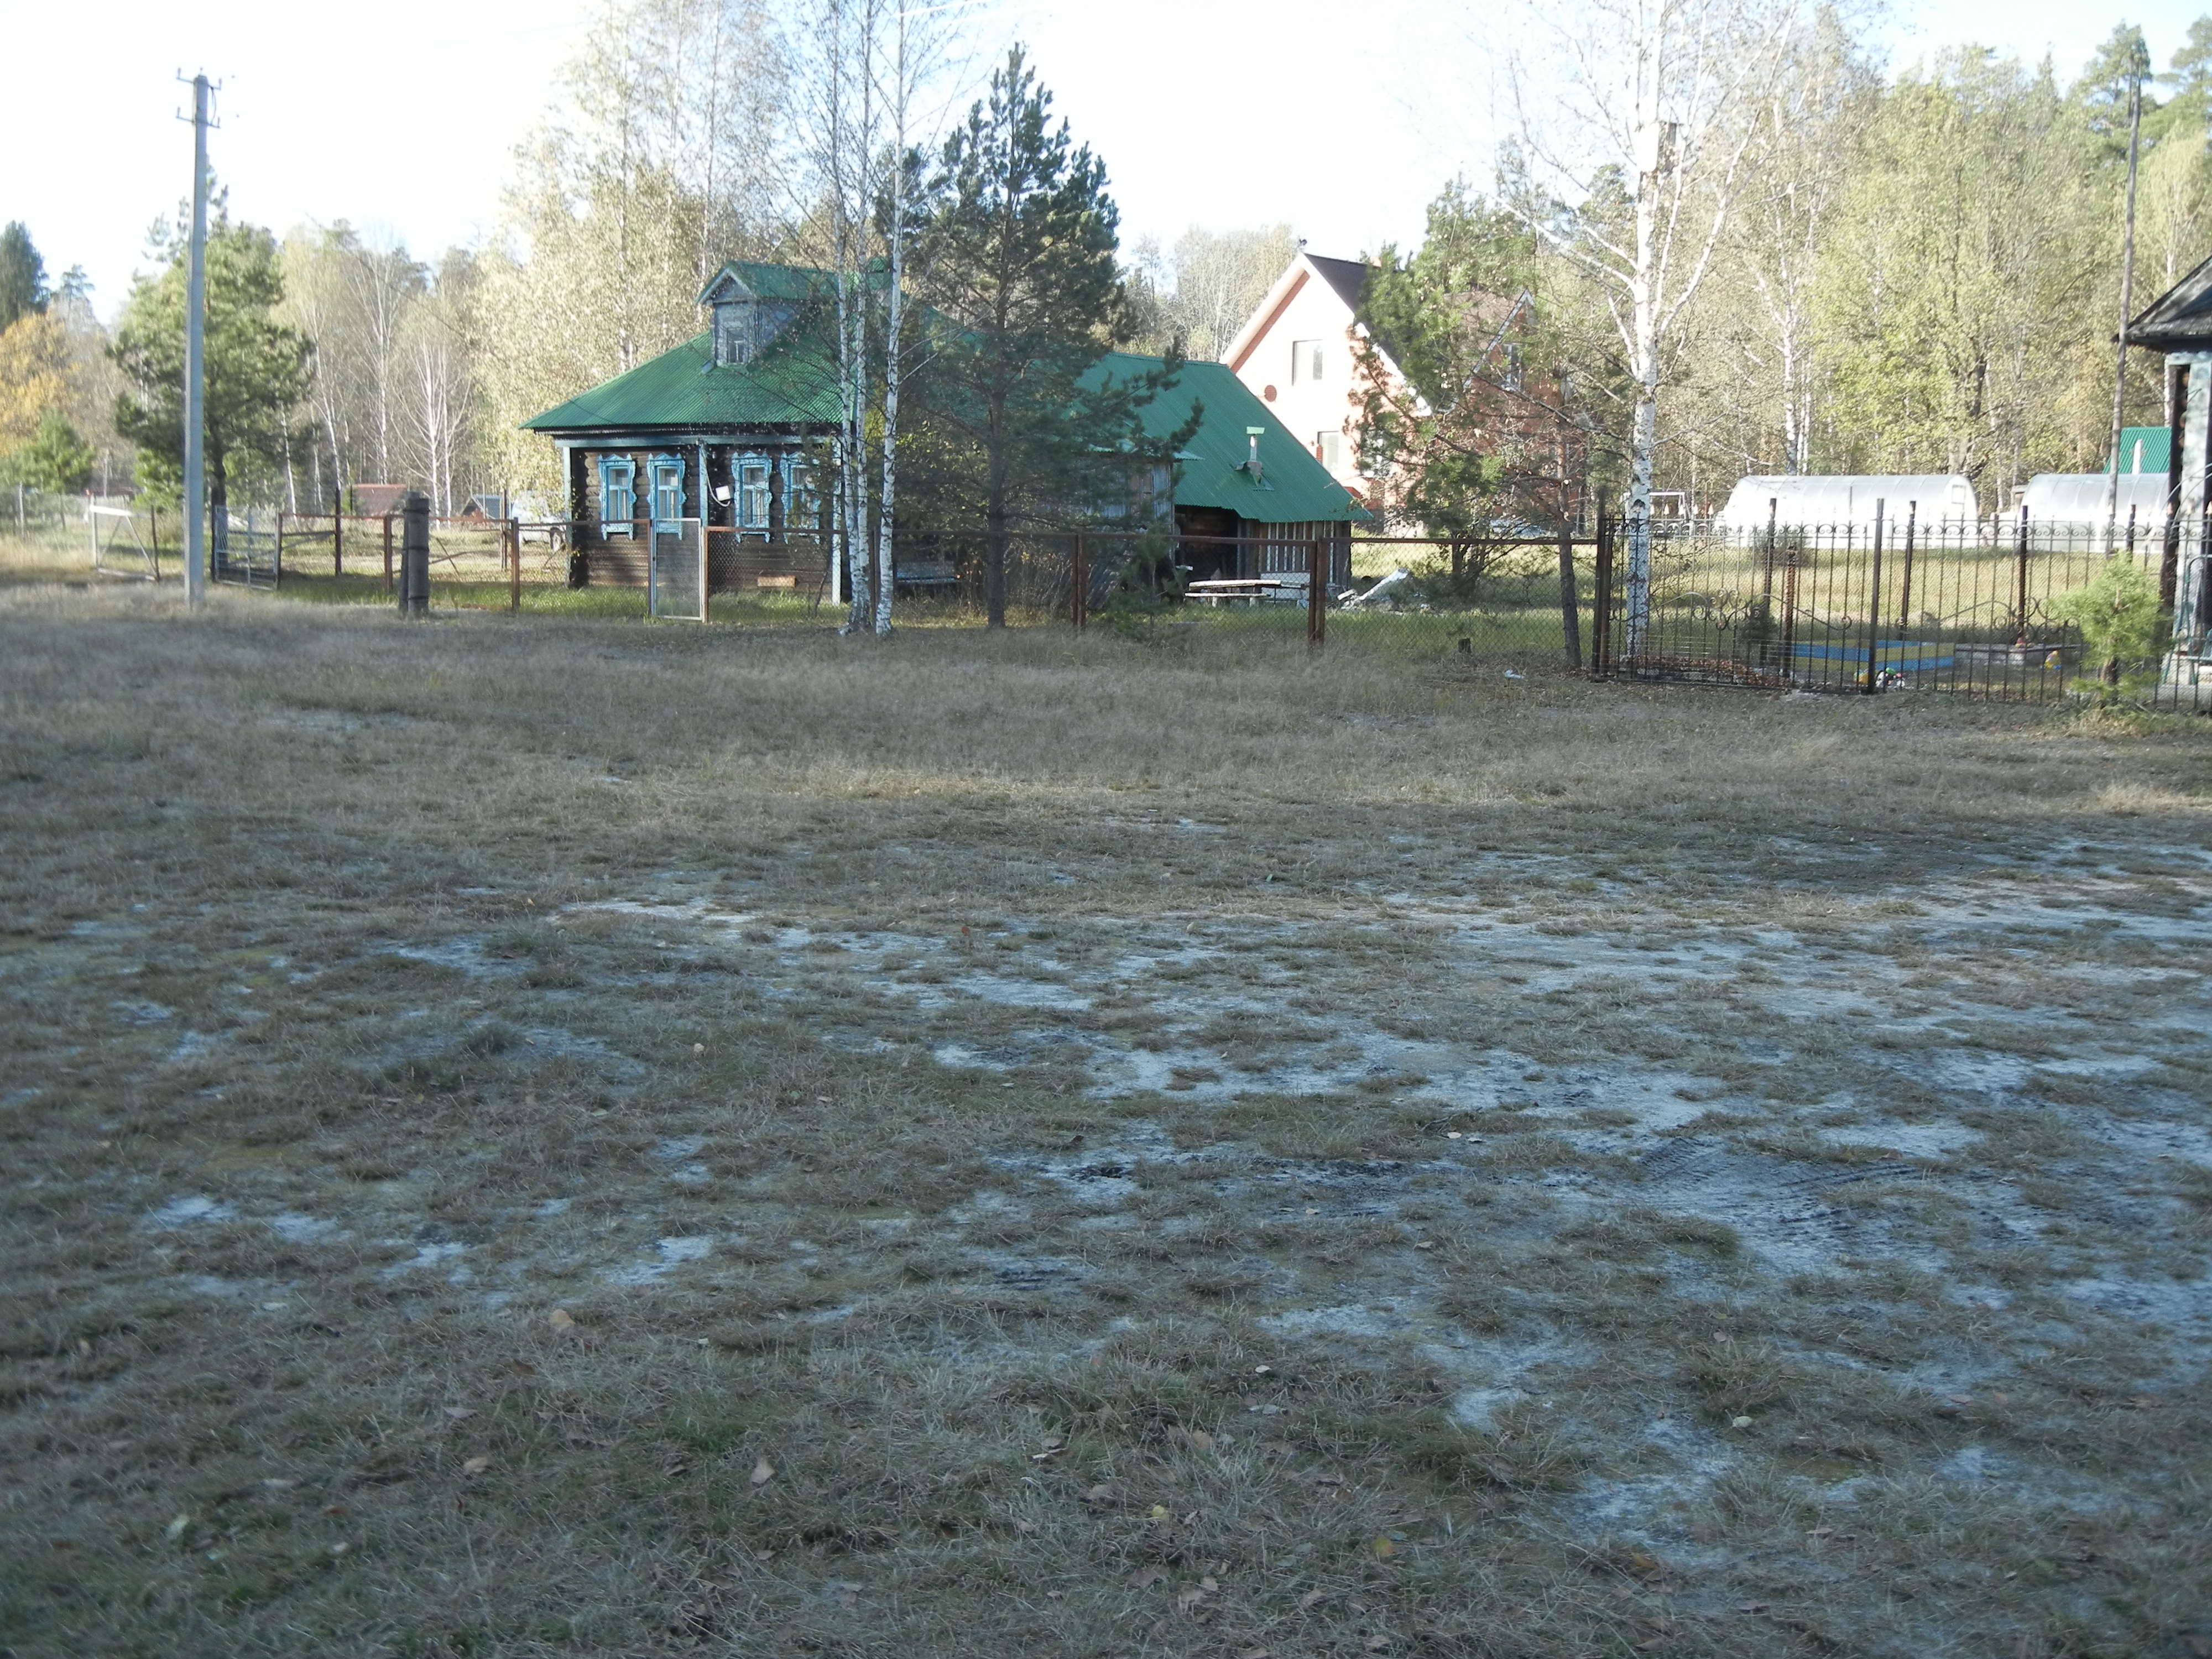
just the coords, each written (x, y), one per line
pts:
(1785, 258)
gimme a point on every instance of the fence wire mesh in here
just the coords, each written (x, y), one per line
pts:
(1987, 608)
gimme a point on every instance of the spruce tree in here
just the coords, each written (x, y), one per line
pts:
(256, 367)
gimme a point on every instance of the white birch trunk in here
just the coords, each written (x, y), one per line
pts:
(895, 315)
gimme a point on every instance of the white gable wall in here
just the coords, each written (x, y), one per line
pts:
(1309, 406)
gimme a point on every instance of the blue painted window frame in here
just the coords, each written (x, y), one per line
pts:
(801, 508)
(617, 496)
(665, 474)
(756, 477)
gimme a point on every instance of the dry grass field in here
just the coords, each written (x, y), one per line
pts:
(569, 1137)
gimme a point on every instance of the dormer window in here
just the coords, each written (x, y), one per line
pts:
(734, 331)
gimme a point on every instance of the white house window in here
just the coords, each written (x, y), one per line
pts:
(755, 480)
(1328, 449)
(617, 495)
(667, 474)
(1306, 361)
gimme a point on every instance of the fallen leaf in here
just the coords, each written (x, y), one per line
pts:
(1026, 1526)
(1046, 1455)
(763, 1472)
(1312, 1598)
(1739, 1422)
(1145, 1577)
(1209, 1585)
(460, 1413)
(175, 1531)
(1383, 1546)
(522, 1368)
(476, 1465)
(1159, 1512)
(278, 1483)
(1189, 1599)
(1098, 1494)
(1255, 1653)
(1960, 1399)
(561, 1320)
(1376, 1643)
(1752, 1606)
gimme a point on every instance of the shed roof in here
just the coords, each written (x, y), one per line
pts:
(1293, 488)
(2179, 319)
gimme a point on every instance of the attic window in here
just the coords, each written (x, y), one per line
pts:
(734, 332)
(1306, 361)
(1328, 449)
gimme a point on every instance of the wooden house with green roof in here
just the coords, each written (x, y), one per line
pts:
(728, 429)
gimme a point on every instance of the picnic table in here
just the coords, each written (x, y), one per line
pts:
(1247, 589)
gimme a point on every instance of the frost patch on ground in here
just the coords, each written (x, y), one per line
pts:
(189, 1207)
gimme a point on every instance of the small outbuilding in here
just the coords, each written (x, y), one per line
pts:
(2178, 324)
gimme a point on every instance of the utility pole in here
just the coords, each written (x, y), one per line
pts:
(2137, 64)
(195, 359)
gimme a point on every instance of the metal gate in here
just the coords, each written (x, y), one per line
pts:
(676, 572)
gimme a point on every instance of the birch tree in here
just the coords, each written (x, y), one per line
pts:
(1644, 100)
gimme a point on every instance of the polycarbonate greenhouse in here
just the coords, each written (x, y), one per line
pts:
(2078, 498)
(1841, 500)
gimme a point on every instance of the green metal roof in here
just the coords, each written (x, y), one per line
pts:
(1293, 488)
(769, 282)
(793, 383)
(2157, 444)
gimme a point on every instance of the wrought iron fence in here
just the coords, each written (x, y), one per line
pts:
(1988, 608)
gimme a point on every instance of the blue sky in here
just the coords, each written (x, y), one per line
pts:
(1342, 121)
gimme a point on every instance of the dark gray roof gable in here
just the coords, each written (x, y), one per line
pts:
(2179, 319)
(1346, 276)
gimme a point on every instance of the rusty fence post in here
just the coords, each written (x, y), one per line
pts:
(1316, 594)
(1789, 612)
(387, 552)
(1873, 683)
(1570, 611)
(1602, 603)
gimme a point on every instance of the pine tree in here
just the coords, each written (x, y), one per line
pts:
(22, 276)
(256, 367)
(1019, 256)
